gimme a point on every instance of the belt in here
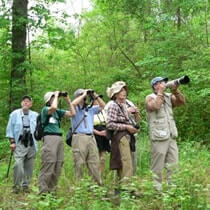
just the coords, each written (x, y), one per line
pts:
(88, 134)
(52, 134)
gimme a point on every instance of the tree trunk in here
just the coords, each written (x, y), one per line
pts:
(178, 18)
(18, 71)
(206, 25)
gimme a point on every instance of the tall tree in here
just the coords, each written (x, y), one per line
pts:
(18, 70)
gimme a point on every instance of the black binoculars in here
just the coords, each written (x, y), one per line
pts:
(62, 94)
(90, 93)
(26, 138)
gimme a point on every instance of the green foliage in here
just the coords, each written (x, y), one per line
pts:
(129, 40)
(188, 191)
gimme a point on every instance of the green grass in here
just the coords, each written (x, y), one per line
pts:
(190, 190)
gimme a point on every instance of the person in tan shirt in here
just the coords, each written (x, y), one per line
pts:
(163, 131)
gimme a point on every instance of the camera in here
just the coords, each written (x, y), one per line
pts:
(62, 94)
(182, 80)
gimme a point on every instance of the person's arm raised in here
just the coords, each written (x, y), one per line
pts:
(79, 99)
(54, 103)
(71, 111)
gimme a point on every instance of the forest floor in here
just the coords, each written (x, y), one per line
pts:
(190, 189)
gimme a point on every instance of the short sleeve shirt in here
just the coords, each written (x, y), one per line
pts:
(53, 122)
(87, 124)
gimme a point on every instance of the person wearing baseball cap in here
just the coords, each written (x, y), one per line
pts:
(20, 129)
(52, 151)
(120, 131)
(163, 130)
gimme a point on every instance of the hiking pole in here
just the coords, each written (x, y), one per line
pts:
(10, 160)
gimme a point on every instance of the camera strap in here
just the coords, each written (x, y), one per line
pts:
(26, 122)
(101, 121)
(130, 120)
(84, 116)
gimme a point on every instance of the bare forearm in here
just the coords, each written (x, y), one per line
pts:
(177, 98)
(100, 101)
(154, 104)
(116, 126)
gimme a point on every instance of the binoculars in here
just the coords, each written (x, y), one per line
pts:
(180, 81)
(62, 94)
(90, 93)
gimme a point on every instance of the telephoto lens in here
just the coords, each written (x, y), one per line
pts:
(182, 80)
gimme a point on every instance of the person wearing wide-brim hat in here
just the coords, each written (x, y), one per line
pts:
(163, 131)
(52, 152)
(121, 131)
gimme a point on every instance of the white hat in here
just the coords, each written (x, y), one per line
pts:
(115, 88)
(48, 96)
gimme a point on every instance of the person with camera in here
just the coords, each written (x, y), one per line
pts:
(52, 151)
(163, 131)
(134, 118)
(121, 131)
(84, 146)
(20, 129)
(100, 136)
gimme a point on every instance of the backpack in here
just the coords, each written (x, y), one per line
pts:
(39, 129)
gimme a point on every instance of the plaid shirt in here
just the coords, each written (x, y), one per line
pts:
(117, 116)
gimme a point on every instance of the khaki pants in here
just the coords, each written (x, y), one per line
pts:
(85, 151)
(24, 164)
(102, 157)
(126, 159)
(164, 155)
(52, 154)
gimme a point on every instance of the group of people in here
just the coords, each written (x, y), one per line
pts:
(97, 129)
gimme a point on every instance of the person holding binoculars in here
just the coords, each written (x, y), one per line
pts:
(84, 146)
(52, 151)
(163, 131)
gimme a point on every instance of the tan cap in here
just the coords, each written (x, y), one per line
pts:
(48, 96)
(115, 88)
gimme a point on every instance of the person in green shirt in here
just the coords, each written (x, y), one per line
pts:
(52, 151)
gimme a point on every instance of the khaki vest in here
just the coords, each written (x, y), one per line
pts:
(161, 123)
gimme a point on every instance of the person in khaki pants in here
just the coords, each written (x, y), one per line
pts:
(84, 146)
(163, 131)
(52, 151)
(121, 130)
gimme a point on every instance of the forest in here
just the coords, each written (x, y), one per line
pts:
(116, 40)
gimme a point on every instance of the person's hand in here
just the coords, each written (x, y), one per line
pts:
(67, 98)
(103, 133)
(85, 93)
(173, 87)
(131, 129)
(133, 110)
(13, 147)
(56, 93)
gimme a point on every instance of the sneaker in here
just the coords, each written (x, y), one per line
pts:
(15, 190)
(26, 189)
